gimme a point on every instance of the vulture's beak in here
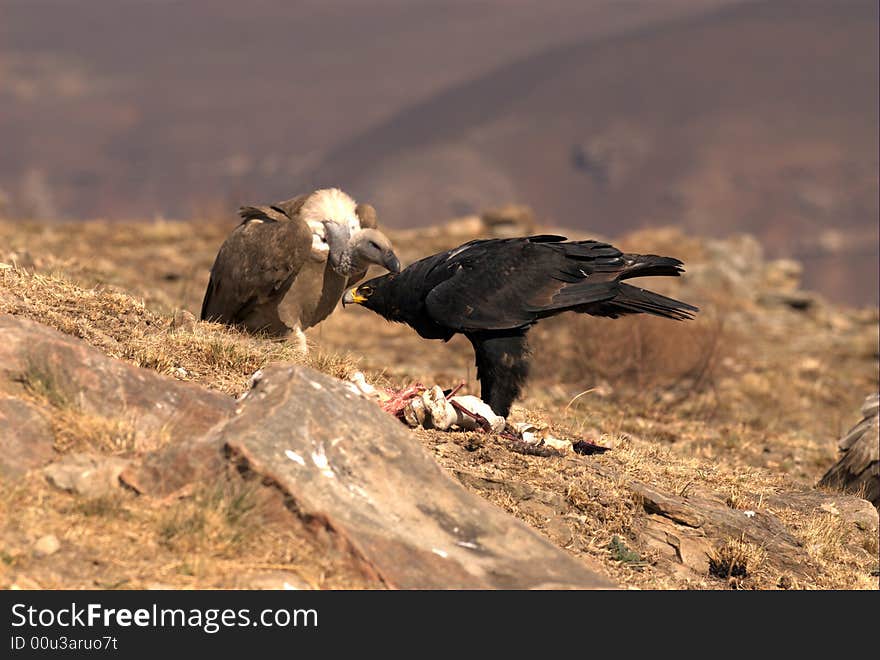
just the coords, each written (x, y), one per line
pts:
(351, 296)
(390, 261)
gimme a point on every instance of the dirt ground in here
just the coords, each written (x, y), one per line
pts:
(745, 401)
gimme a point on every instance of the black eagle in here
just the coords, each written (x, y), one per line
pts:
(494, 290)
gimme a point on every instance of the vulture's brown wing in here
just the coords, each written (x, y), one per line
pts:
(255, 265)
(263, 213)
(366, 213)
(858, 469)
(291, 207)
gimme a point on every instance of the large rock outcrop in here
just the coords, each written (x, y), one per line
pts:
(349, 467)
(26, 437)
(45, 374)
(344, 467)
(354, 479)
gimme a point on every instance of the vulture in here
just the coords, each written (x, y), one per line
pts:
(264, 257)
(493, 290)
(320, 284)
(858, 469)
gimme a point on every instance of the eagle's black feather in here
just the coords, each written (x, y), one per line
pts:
(492, 291)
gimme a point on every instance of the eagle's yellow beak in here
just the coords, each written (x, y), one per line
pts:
(352, 296)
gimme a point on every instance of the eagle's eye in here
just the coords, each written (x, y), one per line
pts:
(375, 245)
(366, 291)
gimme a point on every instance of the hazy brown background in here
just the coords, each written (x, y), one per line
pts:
(719, 116)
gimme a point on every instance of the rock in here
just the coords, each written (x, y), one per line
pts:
(69, 373)
(809, 366)
(24, 583)
(510, 220)
(89, 475)
(783, 274)
(467, 226)
(687, 529)
(797, 300)
(26, 437)
(47, 545)
(183, 320)
(281, 580)
(346, 465)
(446, 449)
(177, 466)
(516, 489)
(851, 509)
(734, 264)
(858, 469)
(558, 531)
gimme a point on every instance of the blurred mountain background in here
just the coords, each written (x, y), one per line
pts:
(717, 116)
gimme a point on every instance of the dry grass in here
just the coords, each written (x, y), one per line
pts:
(179, 346)
(744, 402)
(735, 560)
(226, 535)
(585, 508)
(74, 429)
(224, 519)
(847, 556)
(648, 361)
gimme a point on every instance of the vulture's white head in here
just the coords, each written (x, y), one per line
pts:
(330, 205)
(349, 253)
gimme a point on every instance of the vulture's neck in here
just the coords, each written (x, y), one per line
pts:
(339, 254)
(345, 263)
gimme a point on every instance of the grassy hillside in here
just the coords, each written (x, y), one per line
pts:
(745, 402)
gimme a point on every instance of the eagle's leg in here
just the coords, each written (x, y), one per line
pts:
(502, 367)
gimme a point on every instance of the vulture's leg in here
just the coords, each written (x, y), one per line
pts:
(299, 337)
(264, 319)
(502, 367)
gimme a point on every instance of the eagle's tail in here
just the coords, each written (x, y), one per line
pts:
(633, 300)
